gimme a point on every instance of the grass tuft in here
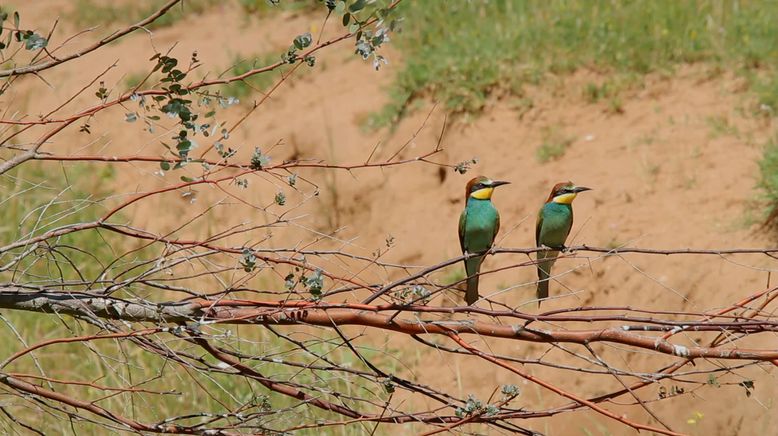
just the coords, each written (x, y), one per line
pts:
(768, 179)
(554, 145)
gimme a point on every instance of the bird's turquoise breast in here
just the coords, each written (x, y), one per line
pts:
(557, 221)
(480, 225)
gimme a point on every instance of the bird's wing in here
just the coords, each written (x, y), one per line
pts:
(462, 222)
(538, 226)
(496, 228)
(571, 224)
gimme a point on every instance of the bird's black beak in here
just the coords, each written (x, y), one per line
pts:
(581, 189)
(496, 183)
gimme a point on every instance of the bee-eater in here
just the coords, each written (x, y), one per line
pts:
(555, 220)
(478, 225)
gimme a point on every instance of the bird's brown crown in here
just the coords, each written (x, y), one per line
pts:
(476, 184)
(559, 189)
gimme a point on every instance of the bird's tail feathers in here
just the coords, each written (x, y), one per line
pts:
(471, 294)
(546, 260)
(542, 284)
(472, 266)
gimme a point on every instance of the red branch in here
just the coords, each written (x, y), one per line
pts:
(341, 317)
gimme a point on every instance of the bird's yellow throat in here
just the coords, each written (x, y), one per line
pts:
(564, 198)
(483, 194)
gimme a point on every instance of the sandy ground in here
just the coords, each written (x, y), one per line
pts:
(676, 169)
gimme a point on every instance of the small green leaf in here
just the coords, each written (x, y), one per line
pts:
(184, 145)
(748, 385)
(358, 5)
(463, 167)
(169, 64)
(35, 42)
(248, 260)
(102, 92)
(388, 386)
(314, 283)
(303, 41)
(289, 281)
(187, 179)
(258, 160)
(510, 390)
(165, 165)
(346, 18)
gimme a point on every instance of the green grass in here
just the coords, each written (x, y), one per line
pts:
(455, 275)
(187, 391)
(464, 53)
(549, 151)
(42, 196)
(554, 145)
(38, 198)
(100, 13)
(451, 276)
(765, 86)
(132, 80)
(768, 180)
(611, 88)
(721, 126)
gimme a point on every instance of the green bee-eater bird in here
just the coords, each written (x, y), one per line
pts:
(478, 225)
(555, 219)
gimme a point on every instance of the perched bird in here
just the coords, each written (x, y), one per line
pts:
(478, 225)
(555, 219)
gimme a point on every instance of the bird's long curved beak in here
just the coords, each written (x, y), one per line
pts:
(496, 183)
(581, 189)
